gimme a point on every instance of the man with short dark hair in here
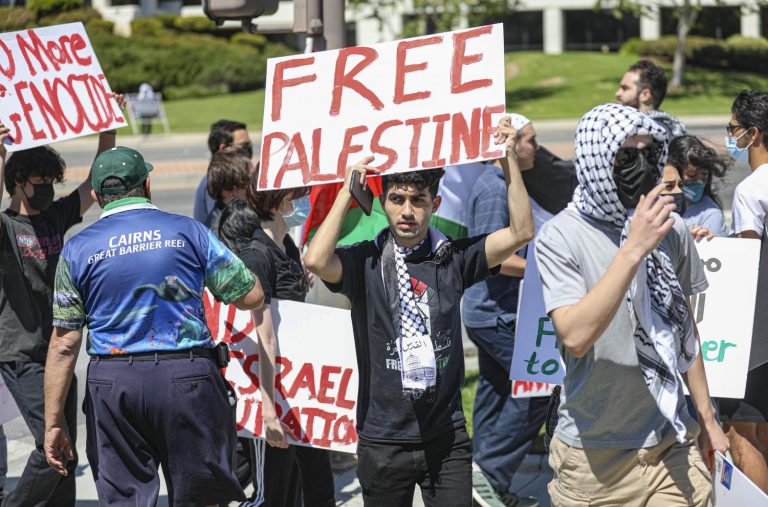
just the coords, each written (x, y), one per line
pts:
(644, 87)
(746, 420)
(154, 394)
(405, 287)
(224, 135)
(32, 233)
(228, 176)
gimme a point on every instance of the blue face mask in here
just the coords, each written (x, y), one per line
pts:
(694, 191)
(737, 153)
(301, 209)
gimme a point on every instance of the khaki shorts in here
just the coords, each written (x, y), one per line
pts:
(668, 474)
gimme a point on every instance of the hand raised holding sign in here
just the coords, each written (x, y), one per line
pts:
(506, 134)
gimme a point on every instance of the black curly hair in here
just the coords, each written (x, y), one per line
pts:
(419, 180)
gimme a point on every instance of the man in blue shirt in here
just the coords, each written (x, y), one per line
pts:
(225, 135)
(154, 393)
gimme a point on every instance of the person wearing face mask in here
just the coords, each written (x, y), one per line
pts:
(624, 435)
(32, 233)
(688, 176)
(747, 419)
(283, 474)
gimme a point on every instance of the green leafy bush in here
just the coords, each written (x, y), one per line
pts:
(16, 18)
(99, 26)
(195, 24)
(738, 52)
(256, 41)
(45, 8)
(147, 27)
(83, 15)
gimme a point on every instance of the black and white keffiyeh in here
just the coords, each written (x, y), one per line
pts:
(663, 332)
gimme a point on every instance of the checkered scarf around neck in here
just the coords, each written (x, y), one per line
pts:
(414, 345)
(663, 331)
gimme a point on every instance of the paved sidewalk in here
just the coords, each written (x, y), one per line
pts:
(531, 479)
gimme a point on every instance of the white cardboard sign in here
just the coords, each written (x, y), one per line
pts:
(316, 377)
(52, 87)
(413, 104)
(723, 313)
(731, 488)
(535, 357)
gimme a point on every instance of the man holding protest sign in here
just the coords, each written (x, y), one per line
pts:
(405, 288)
(616, 268)
(31, 239)
(154, 394)
(504, 427)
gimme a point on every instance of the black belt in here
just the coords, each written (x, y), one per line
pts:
(160, 355)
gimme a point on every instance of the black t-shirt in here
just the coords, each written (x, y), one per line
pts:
(280, 273)
(448, 269)
(26, 289)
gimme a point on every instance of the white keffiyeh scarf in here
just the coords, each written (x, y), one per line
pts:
(663, 330)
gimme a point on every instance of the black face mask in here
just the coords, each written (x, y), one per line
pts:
(679, 200)
(634, 178)
(42, 198)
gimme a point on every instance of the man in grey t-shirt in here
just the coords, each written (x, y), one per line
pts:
(617, 268)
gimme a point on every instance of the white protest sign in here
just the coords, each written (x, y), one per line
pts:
(535, 357)
(8, 408)
(413, 104)
(724, 313)
(525, 389)
(52, 87)
(731, 488)
(315, 376)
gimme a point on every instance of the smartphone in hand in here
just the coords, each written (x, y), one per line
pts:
(362, 195)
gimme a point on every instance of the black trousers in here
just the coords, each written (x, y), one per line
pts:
(442, 468)
(39, 483)
(286, 477)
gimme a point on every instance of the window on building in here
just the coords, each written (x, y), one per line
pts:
(522, 30)
(717, 22)
(589, 30)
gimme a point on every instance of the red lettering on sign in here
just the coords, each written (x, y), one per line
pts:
(279, 82)
(416, 123)
(10, 70)
(77, 43)
(347, 148)
(324, 440)
(401, 68)
(436, 160)
(305, 379)
(27, 108)
(326, 383)
(52, 88)
(247, 405)
(460, 59)
(266, 154)
(296, 145)
(341, 400)
(287, 366)
(488, 129)
(343, 79)
(293, 420)
(345, 425)
(252, 375)
(466, 136)
(316, 175)
(16, 120)
(377, 148)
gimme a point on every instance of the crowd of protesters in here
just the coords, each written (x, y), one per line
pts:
(613, 233)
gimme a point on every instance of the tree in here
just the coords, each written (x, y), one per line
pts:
(686, 12)
(432, 16)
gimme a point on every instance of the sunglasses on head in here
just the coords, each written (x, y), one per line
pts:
(652, 154)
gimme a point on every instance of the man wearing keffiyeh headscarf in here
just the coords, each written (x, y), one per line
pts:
(617, 266)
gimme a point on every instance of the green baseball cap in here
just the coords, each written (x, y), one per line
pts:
(119, 162)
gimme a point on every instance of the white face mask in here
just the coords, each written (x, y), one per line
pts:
(737, 153)
(301, 209)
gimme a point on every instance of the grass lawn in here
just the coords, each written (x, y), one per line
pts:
(538, 85)
(568, 85)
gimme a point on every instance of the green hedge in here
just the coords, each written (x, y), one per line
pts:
(50, 7)
(182, 65)
(16, 18)
(738, 53)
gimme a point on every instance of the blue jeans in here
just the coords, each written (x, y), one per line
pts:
(504, 427)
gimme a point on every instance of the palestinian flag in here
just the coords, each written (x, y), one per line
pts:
(450, 219)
